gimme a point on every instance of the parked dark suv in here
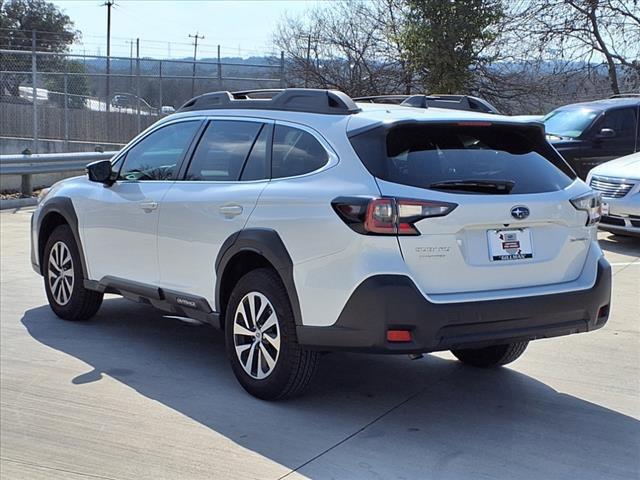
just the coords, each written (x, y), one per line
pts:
(588, 134)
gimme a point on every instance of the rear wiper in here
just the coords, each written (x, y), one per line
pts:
(472, 185)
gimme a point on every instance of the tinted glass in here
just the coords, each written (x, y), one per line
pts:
(222, 150)
(295, 152)
(569, 123)
(424, 156)
(155, 157)
(256, 167)
(622, 121)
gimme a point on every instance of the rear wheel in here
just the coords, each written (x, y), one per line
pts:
(493, 356)
(63, 278)
(261, 338)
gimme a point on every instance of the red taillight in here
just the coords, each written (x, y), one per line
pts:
(388, 216)
(398, 335)
(380, 217)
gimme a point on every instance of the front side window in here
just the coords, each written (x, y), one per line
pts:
(296, 152)
(224, 149)
(156, 156)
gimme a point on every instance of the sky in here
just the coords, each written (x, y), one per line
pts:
(241, 27)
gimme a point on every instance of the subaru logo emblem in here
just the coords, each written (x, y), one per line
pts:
(519, 212)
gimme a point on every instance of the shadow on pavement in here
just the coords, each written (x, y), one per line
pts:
(620, 244)
(461, 422)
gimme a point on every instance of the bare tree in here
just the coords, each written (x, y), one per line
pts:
(348, 46)
(587, 33)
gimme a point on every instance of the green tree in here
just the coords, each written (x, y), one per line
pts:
(18, 19)
(77, 85)
(447, 40)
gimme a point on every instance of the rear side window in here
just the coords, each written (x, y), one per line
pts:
(223, 150)
(464, 159)
(155, 157)
(295, 152)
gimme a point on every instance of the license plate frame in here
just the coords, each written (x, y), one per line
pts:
(509, 244)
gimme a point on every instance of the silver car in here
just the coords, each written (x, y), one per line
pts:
(619, 183)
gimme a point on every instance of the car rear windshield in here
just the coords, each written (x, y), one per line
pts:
(489, 159)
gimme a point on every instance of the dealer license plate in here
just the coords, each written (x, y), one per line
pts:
(514, 244)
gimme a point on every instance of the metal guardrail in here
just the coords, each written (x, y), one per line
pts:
(27, 165)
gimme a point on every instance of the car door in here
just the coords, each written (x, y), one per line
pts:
(119, 222)
(213, 199)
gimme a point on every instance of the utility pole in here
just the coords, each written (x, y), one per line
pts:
(195, 52)
(108, 4)
(130, 65)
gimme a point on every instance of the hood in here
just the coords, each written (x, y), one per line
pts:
(624, 167)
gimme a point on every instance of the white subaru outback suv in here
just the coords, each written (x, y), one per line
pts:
(303, 222)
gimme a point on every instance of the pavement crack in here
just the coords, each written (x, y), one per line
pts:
(364, 427)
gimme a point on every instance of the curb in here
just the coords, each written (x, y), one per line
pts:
(18, 203)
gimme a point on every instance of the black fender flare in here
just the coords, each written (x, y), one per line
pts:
(64, 207)
(267, 243)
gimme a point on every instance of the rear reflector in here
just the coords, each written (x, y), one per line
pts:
(398, 335)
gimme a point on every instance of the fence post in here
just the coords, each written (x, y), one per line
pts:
(219, 71)
(66, 113)
(161, 98)
(282, 69)
(25, 185)
(138, 82)
(34, 90)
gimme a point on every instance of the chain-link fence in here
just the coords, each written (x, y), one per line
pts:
(53, 102)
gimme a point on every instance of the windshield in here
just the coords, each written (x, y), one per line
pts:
(568, 123)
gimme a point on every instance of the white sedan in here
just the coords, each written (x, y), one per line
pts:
(619, 183)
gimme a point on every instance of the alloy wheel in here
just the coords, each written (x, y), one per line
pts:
(256, 335)
(61, 273)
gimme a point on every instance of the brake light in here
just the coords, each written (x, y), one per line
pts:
(388, 215)
(474, 124)
(380, 217)
(590, 203)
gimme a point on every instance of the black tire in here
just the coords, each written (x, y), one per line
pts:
(494, 356)
(80, 304)
(294, 366)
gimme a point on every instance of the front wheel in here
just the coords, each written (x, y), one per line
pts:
(493, 356)
(63, 278)
(261, 338)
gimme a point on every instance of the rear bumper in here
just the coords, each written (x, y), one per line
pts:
(393, 302)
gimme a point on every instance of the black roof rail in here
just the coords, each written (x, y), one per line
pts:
(626, 95)
(460, 102)
(450, 101)
(392, 99)
(331, 102)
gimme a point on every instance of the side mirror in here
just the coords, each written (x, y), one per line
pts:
(606, 133)
(100, 171)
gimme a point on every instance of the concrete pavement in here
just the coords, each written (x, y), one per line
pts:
(135, 395)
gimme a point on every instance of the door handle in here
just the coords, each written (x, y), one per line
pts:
(148, 206)
(230, 211)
